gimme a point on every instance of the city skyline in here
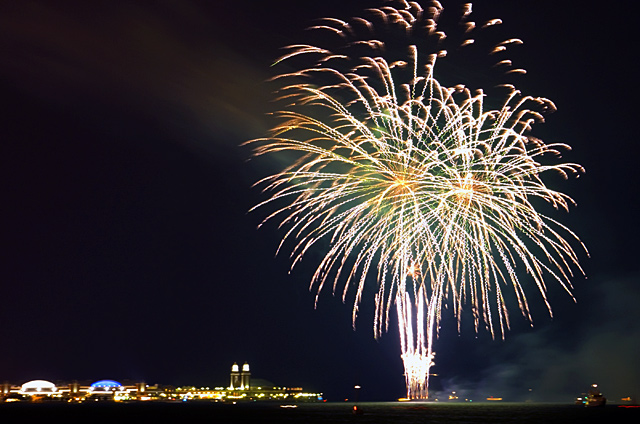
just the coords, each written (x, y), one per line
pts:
(241, 388)
(129, 249)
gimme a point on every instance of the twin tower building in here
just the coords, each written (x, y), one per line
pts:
(240, 380)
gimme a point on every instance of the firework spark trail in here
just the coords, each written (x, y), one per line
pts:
(415, 182)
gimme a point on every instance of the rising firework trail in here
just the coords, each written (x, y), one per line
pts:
(427, 191)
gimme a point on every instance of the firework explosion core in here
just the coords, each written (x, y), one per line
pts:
(417, 183)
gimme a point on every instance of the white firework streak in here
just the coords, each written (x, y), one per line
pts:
(416, 183)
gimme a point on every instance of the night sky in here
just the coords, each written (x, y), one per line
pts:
(128, 251)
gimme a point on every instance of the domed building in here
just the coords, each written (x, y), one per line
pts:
(106, 390)
(105, 386)
(38, 388)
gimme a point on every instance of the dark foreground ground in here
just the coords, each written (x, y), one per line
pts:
(372, 412)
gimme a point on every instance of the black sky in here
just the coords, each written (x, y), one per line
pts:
(128, 252)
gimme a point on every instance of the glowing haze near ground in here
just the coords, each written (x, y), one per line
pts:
(421, 185)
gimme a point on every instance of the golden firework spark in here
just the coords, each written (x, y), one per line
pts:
(419, 184)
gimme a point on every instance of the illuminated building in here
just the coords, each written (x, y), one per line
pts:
(38, 387)
(245, 377)
(108, 390)
(240, 379)
(241, 388)
(235, 377)
(75, 391)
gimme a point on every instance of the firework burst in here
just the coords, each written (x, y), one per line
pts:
(419, 184)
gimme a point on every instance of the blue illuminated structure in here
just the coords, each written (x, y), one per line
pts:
(105, 385)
